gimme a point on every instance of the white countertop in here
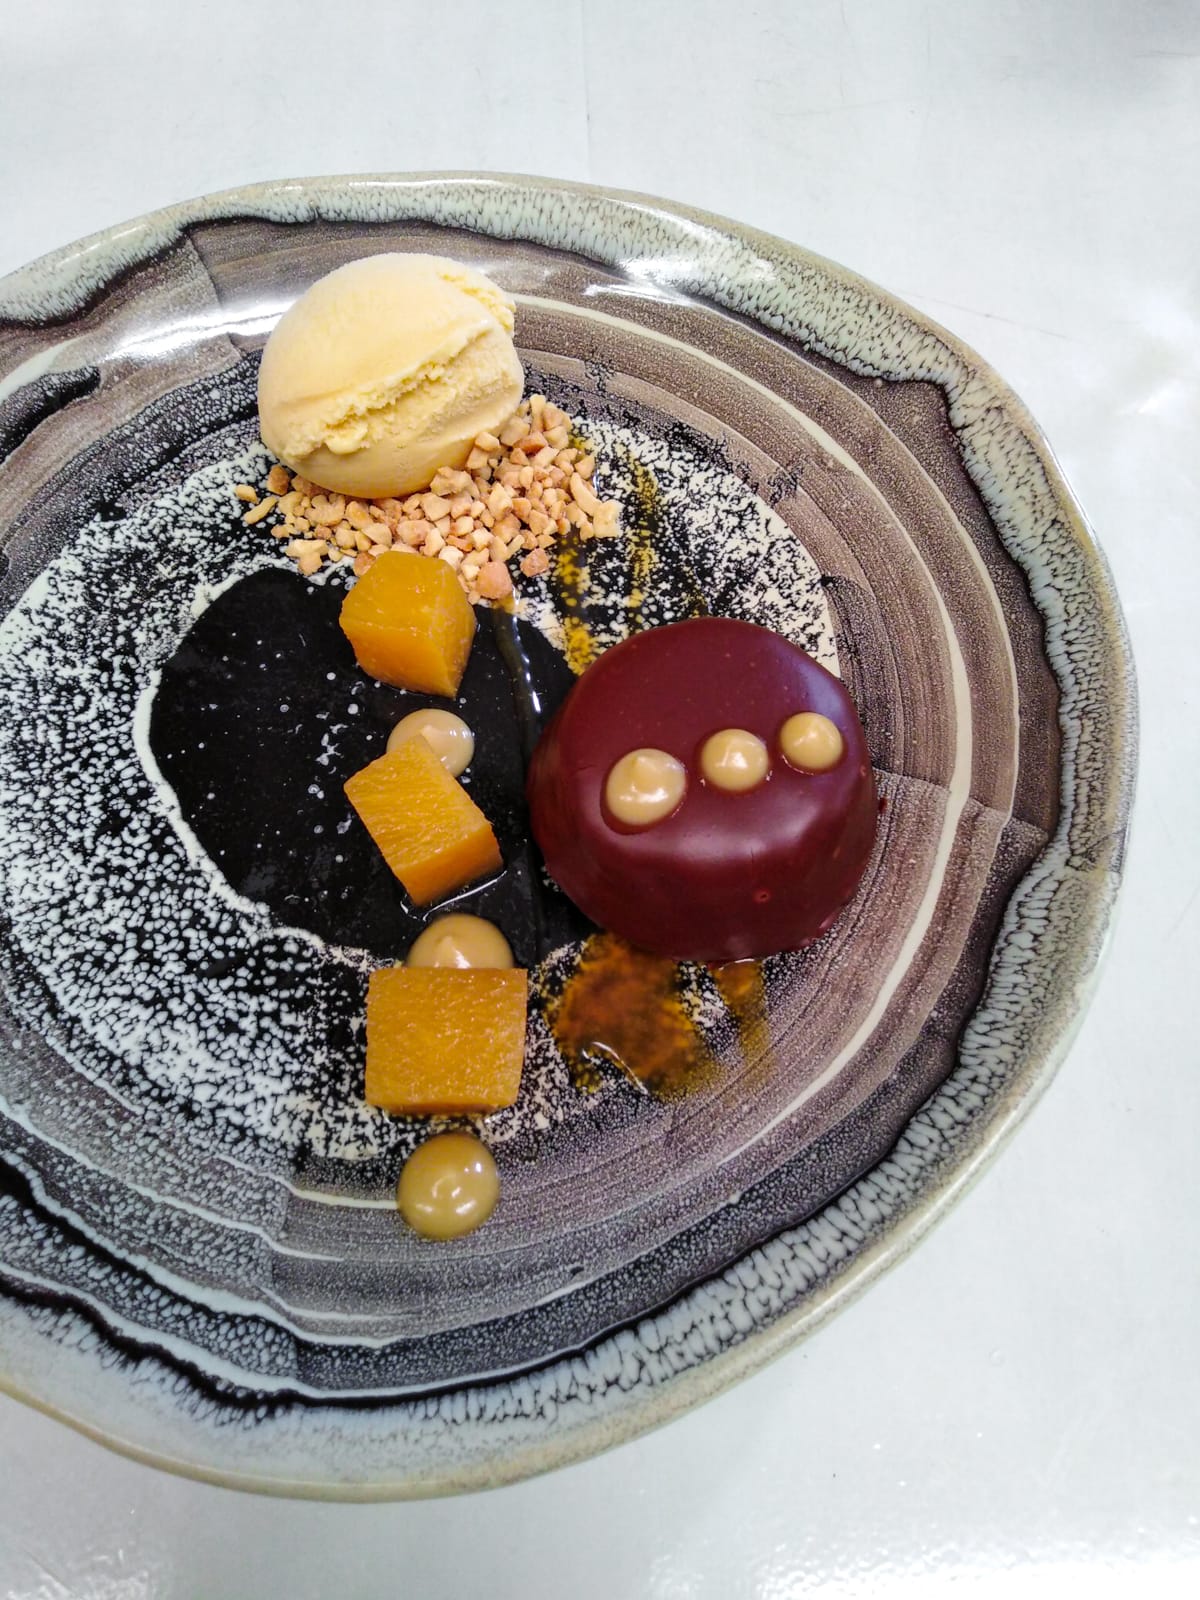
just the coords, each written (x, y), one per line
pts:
(1022, 1396)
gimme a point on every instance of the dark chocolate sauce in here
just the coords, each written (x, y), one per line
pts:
(262, 715)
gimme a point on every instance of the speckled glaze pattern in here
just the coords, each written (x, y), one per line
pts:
(190, 1291)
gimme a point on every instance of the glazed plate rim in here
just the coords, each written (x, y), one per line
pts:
(575, 217)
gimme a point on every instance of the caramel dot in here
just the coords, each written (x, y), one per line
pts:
(452, 741)
(645, 786)
(734, 759)
(460, 941)
(448, 1186)
(811, 742)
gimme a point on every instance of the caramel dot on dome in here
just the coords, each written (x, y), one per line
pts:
(734, 759)
(644, 786)
(811, 742)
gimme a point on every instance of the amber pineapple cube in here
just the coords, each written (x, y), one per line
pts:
(432, 834)
(410, 623)
(445, 1039)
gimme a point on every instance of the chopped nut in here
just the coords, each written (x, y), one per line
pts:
(256, 513)
(328, 509)
(493, 581)
(536, 562)
(522, 487)
(513, 431)
(584, 496)
(450, 481)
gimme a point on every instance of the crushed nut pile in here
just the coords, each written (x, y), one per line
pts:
(519, 491)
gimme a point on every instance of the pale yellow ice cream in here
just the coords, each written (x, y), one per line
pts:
(386, 370)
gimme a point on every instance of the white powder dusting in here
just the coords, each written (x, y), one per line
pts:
(116, 913)
(128, 949)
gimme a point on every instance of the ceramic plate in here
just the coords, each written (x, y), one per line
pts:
(200, 1261)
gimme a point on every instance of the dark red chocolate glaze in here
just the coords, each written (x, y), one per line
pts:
(727, 876)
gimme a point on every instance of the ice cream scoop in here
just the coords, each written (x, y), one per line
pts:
(386, 370)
